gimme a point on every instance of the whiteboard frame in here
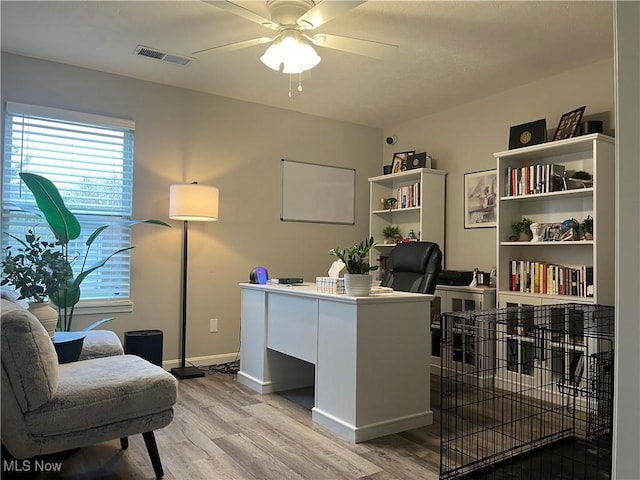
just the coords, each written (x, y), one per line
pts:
(289, 196)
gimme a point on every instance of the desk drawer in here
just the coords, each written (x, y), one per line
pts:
(292, 326)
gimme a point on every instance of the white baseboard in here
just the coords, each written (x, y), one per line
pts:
(363, 433)
(203, 361)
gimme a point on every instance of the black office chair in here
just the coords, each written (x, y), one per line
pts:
(414, 267)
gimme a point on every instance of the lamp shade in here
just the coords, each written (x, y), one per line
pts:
(193, 202)
(294, 54)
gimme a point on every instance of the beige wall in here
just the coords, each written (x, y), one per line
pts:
(237, 146)
(463, 139)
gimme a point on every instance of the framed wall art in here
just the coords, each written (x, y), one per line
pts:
(480, 198)
(399, 162)
(569, 123)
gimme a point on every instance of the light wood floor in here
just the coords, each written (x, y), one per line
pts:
(225, 431)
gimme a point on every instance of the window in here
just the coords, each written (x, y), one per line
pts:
(90, 160)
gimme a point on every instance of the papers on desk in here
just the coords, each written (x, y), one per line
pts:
(379, 290)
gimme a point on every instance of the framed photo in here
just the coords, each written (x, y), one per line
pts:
(399, 162)
(569, 123)
(480, 198)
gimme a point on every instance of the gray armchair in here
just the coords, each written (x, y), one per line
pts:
(49, 408)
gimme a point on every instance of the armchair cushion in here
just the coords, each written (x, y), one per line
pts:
(100, 343)
(28, 356)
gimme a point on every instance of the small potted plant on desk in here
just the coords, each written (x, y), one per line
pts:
(522, 228)
(357, 282)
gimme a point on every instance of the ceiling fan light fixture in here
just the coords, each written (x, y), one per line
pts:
(271, 57)
(295, 54)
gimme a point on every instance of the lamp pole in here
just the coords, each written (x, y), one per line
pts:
(198, 203)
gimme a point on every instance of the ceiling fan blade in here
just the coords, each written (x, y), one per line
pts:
(368, 48)
(244, 13)
(325, 11)
(230, 47)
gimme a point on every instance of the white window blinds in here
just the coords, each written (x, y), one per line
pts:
(90, 160)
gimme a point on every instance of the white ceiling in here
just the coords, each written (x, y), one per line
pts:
(450, 52)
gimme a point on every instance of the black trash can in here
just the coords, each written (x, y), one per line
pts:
(146, 344)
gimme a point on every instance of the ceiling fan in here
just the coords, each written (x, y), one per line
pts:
(293, 20)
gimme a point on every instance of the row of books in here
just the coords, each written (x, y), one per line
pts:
(533, 179)
(408, 196)
(541, 277)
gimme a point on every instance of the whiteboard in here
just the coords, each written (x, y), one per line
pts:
(317, 193)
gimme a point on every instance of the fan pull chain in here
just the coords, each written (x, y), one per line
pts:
(299, 82)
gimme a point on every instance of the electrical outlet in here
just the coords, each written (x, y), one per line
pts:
(213, 325)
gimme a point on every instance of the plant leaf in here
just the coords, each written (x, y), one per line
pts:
(24, 244)
(66, 296)
(78, 280)
(63, 223)
(26, 208)
(98, 323)
(125, 223)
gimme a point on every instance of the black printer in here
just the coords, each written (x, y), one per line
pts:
(458, 278)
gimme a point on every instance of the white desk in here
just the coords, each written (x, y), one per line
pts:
(371, 355)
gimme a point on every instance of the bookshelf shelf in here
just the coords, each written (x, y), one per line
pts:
(591, 153)
(569, 243)
(396, 211)
(577, 192)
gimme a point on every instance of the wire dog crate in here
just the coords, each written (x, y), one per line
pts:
(527, 393)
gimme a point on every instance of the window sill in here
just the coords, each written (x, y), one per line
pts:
(103, 306)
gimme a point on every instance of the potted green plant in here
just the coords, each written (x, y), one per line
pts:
(391, 234)
(36, 269)
(357, 282)
(65, 227)
(586, 228)
(523, 228)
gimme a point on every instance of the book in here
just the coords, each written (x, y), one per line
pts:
(589, 280)
(286, 280)
(534, 179)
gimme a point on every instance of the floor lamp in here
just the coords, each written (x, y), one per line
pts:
(190, 202)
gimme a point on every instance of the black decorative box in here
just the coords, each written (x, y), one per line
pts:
(527, 134)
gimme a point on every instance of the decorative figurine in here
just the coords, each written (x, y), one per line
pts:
(571, 223)
(538, 230)
(569, 235)
(390, 203)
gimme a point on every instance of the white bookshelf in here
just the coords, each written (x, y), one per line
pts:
(591, 153)
(426, 218)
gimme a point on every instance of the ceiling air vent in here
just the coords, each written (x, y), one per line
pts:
(162, 56)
